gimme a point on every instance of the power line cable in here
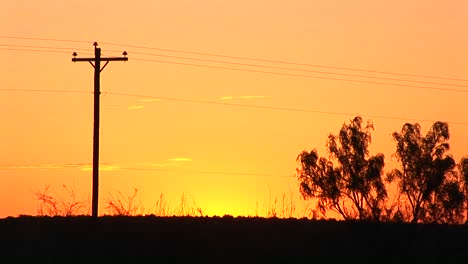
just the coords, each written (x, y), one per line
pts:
(45, 39)
(201, 172)
(231, 104)
(44, 90)
(269, 72)
(287, 62)
(43, 50)
(295, 69)
(307, 76)
(277, 108)
(242, 64)
(33, 50)
(84, 165)
(245, 64)
(41, 47)
(241, 58)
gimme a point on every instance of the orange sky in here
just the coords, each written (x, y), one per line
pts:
(227, 158)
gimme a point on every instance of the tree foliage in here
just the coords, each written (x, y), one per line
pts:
(431, 188)
(427, 180)
(463, 168)
(354, 187)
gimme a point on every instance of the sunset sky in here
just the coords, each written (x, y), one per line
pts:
(228, 158)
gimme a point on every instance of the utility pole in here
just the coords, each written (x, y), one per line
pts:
(97, 92)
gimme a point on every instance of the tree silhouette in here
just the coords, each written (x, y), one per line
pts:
(427, 180)
(463, 167)
(354, 188)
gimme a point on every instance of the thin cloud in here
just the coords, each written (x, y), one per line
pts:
(175, 162)
(179, 159)
(135, 107)
(48, 166)
(244, 97)
(75, 165)
(32, 166)
(102, 168)
(253, 97)
(163, 165)
(112, 107)
(150, 100)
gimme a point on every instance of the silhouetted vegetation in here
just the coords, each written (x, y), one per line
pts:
(431, 188)
(52, 206)
(463, 167)
(428, 184)
(116, 205)
(124, 206)
(354, 187)
(421, 221)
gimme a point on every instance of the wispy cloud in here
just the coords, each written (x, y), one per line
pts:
(150, 100)
(163, 165)
(54, 166)
(32, 166)
(102, 168)
(135, 107)
(244, 97)
(107, 166)
(254, 97)
(179, 159)
(112, 107)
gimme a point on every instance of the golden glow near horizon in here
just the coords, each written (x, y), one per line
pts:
(228, 158)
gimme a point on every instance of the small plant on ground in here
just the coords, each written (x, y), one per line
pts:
(288, 207)
(51, 206)
(125, 206)
(187, 208)
(161, 206)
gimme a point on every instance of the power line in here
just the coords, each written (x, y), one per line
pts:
(201, 172)
(276, 73)
(33, 50)
(45, 39)
(241, 58)
(84, 165)
(263, 66)
(250, 65)
(44, 90)
(277, 108)
(39, 47)
(233, 104)
(307, 76)
(295, 69)
(287, 62)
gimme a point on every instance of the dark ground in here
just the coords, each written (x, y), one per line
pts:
(225, 239)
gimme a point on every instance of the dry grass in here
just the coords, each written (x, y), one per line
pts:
(51, 206)
(130, 206)
(283, 206)
(127, 206)
(280, 207)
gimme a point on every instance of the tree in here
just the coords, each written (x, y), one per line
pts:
(463, 167)
(354, 188)
(427, 180)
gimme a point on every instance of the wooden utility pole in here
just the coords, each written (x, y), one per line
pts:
(97, 92)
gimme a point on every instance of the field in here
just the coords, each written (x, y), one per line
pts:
(150, 239)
